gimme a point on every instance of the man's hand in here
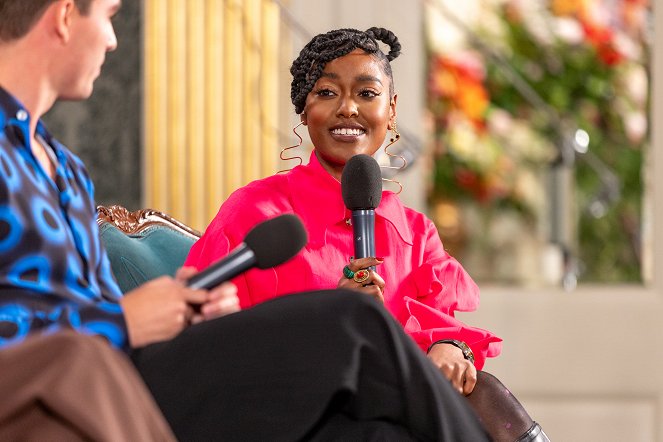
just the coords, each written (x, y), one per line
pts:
(450, 361)
(221, 300)
(159, 309)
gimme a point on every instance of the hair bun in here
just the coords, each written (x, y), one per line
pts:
(387, 37)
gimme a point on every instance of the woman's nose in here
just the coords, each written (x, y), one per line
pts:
(347, 108)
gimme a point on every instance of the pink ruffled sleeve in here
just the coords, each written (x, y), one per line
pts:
(427, 325)
(434, 292)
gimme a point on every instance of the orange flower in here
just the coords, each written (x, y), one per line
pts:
(568, 7)
(462, 84)
(473, 100)
(443, 83)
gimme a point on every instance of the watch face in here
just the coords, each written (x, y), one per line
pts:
(467, 351)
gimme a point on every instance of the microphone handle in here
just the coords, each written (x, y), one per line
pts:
(239, 260)
(363, 231)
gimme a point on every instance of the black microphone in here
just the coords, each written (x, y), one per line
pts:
(361, 186)
(268, 244)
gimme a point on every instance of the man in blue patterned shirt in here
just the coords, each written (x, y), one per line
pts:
(339, 361)
(49, 250)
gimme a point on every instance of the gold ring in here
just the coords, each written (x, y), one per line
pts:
(361, 276)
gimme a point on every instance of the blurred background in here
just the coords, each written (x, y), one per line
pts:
(529, 129)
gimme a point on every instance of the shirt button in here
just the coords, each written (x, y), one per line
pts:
(21, 115)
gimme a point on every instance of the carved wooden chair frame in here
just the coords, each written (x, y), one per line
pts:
(137, 221)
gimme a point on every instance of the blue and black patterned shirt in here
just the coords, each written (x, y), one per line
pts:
(54, 271)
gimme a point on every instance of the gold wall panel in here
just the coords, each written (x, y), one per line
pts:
(211, 102)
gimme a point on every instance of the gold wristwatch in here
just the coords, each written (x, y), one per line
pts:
(467, 351)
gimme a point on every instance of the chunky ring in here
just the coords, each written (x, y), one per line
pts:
(348, 273)
(361, 276)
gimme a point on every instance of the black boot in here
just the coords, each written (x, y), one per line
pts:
(503, 417)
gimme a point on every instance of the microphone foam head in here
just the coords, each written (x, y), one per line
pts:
(361, 183)
(276, 240)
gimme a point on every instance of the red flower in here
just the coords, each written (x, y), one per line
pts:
(467, 179)
(603, 39)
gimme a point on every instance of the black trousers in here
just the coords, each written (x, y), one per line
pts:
(329, 365)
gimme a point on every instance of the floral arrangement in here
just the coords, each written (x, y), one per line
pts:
(587, 62)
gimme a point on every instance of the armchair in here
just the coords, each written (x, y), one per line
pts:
(143, 244)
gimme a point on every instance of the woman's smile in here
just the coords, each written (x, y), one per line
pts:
(347, 134)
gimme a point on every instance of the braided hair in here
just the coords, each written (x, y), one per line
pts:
(323, 48)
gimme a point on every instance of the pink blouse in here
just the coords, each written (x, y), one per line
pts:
(424, 285)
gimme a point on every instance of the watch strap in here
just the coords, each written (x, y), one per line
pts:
(467, 351)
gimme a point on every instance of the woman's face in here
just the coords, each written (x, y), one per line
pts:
(349, 110)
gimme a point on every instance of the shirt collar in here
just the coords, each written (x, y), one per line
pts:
(13, 113)
(316, 195)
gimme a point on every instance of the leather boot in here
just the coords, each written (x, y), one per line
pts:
(501, 414)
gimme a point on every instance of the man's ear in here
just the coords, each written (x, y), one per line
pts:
(63, 15)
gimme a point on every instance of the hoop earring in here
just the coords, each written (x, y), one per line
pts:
(395, 137)
(281, 155)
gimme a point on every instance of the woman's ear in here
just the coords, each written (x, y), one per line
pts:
(303, 118)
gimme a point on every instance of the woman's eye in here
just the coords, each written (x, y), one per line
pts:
(324, 93)
(367, 93)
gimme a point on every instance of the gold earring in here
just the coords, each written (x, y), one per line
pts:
(301, 161)
(395, 137)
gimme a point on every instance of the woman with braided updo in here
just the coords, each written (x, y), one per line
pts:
(343, 89)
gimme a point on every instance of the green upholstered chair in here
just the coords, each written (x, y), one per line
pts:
(144, 244)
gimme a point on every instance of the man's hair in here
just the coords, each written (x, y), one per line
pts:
(323, 48)
(18, 16)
